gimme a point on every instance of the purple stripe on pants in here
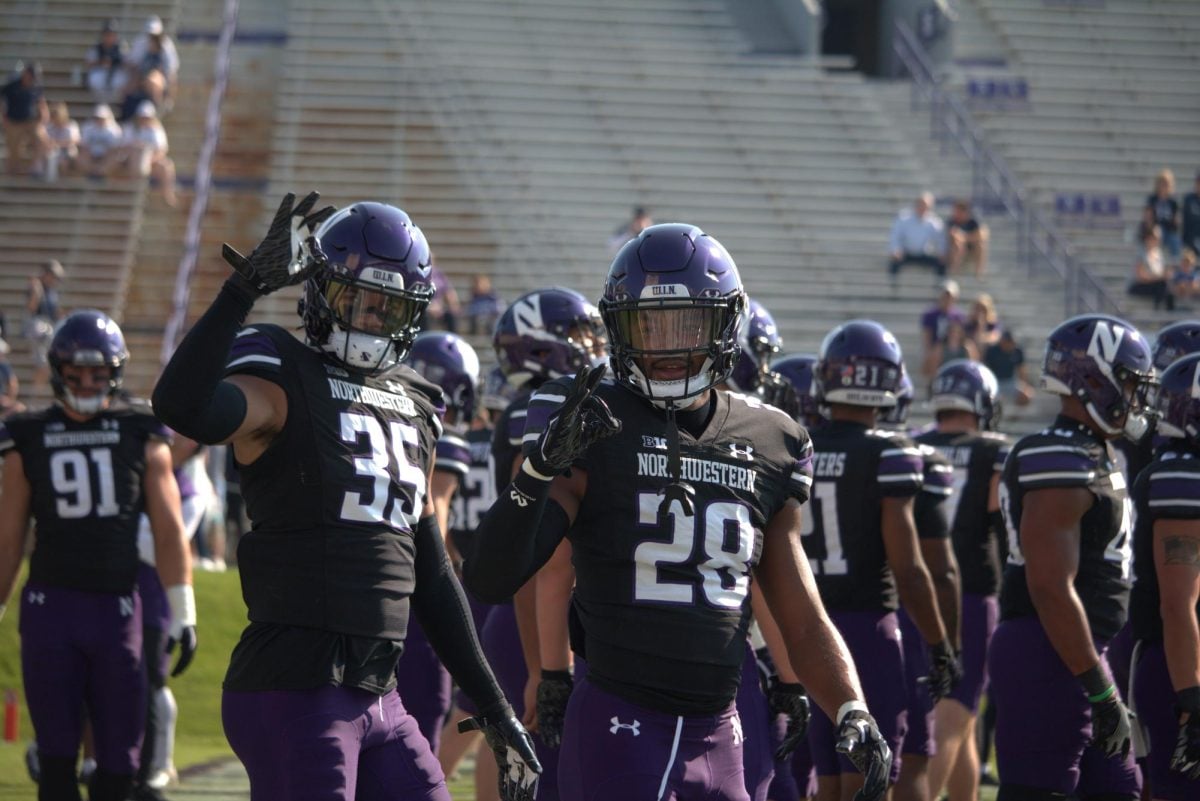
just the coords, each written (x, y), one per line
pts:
(423, 684)
(330, 744)
(874, 641)
(757, 761)
(614, 750)
(82, 648)
(1156, 711)
(918, 740)
(1043, 720)
(978, 622)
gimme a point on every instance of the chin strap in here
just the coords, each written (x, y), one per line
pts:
(678, 489)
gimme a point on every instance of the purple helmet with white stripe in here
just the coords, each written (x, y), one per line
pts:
(1175, 341)
(897, 416)
(860, 364)
(364, 303)
(87, 338)
(548, 333)
(449, 361)
(759, 340)
(1178, 400)
(798, 370)
(1104, 363)
(968, 386)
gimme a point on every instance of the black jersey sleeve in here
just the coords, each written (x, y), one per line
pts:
(901, 468)
(929, 509)
(800, 480)
(1055, 466)
(1174, 492)
(453, 455)
(255, 352)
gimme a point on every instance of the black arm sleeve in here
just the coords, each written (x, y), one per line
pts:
(441, 606)
(190, 396)
(515, 538)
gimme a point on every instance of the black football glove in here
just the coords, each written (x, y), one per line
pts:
(553, 692)
(187, 648)
(581, 420)
(945, 671)
(859, 739)
(1112, 726)
(510, 743)
(279, 260)
(1186, 758)
(791, 700)
(779, 392)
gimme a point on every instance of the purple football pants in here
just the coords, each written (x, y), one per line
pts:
(757, 760)
(1156, 711)
(1043, 720)
(331, 744)
(918, 740)
(423, 684)
(84, 648)
(978, 622)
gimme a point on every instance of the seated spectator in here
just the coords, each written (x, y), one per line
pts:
(1191, 217)
(1007, 361)
(24, 120)
(918, 237)
(143, 151)
(1185, 281)
(983, 324)
(628, 230)
(935, 326)
(444, 310)
(484, 305)
(148, 89)
(99, 142)
(62, 134)
(106, 65)
(967, 238)
(154, 49)
(1149, 272)
(958, 345)
(1162, 209)
(43, 313)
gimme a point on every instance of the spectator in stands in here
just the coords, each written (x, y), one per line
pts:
(143, 151)
(99, 142)
(9, 386)
(918, 237)
(1149, 271)
(1162, 209)
(484, 305)
(628, 230)
(967, 238)
(1185, 281)
(24, 120)
(958, 345)
(1007, 360)
(444, 310)
(149, 89)
(983, 324)
(62, 134)
(935, 326)
(107, 65)
(43, 311)
(1191, 217)
(153, 49)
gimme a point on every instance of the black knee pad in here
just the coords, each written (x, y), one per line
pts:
(58, 780)
(106, 786)
(1017, 792)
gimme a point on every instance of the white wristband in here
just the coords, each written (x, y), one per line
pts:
(848, 707)
(527, 468)
(183, 607)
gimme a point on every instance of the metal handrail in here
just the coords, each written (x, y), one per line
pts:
(994, 185)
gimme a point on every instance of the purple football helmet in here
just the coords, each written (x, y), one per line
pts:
(798, 370)
(1174, 342)
(968, 386)
(1178, 400)
(860, 364)
(672, 303)
(548, 333)
(1105, 363)
(897, 416)
(87, 338)
(449, 361)
(364, 303)
(760, 340)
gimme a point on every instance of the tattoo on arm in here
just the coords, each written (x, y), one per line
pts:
(1182, 550)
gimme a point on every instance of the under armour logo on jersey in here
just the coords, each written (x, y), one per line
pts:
(659, 443)
(1106, 341)
(126, 606)
(741, 451)
(739, 736)
(395, 388)
(617, 725)
(38, 598)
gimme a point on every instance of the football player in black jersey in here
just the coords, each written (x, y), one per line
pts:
(335, 442)
(1062, 727)
(669, 513)
(1165, 604)
(85, 469)
(965, 395)
(862, 539)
